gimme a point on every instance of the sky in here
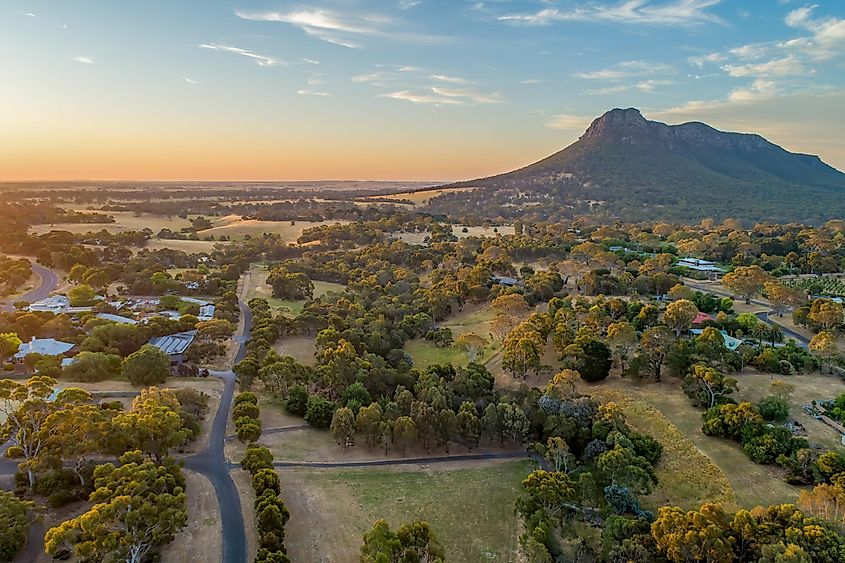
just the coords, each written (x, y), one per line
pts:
(424, 90)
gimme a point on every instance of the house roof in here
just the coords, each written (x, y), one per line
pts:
(117, 319)
(174, 344)
(43, 346)
(701, 317)
(731, 343)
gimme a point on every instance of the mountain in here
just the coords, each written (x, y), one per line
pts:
(625, 166)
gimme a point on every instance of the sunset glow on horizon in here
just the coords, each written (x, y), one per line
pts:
(395, 90)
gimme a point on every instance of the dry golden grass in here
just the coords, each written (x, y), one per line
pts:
(202, 538)
(420, 197)
(687, 478)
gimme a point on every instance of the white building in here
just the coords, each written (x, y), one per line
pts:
(55, 304)
(43, 346)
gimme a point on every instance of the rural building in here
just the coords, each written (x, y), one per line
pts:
(175, 345)
(55, 304)
(731, 343)
(504, 280)
(700, 318)
(703, 266)
(117, 319)
(43, 346)
(206, 312)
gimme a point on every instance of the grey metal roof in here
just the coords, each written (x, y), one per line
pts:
(174, 344)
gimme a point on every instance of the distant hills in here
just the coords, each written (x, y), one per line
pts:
(627, 167)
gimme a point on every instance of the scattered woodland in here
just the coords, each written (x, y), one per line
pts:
(572, 361)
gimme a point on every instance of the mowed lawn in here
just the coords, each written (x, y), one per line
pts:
(470, 508)
(475, 319)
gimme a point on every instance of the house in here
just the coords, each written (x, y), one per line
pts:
(700, 318)
(504, 280)
(206, 313)
(117, 319)
(175, 345)
(55, 304)
(43, 346)
(700, 265)
(731, 343)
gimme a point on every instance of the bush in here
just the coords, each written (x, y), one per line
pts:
(147, 366)
(13, 515)
(266, 480)
(297, 400)
(773, 409)
(257, 458)
(320, 412)
(247, 429)
(245, 397)
(248, 410)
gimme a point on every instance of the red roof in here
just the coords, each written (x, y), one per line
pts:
(701, 318)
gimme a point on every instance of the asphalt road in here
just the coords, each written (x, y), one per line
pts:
(803, 341)
(49, 282)
(404, 461)
(212, 463)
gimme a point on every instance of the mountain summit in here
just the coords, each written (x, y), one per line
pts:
(627, 167)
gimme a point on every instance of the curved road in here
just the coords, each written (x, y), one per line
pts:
(802, 340)
(49, 282)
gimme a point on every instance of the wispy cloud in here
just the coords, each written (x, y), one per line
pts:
(530, 81)
(306, 92)
(785, 66)
(344, 29)
(28, 14)
(623, 70)
(463, 93)
(827, 33)
(760, 89)
(190, 80)
(447, 78)
(84, 60)
(422, 98)
(260, 60)
(569, 122)
(645, 86)
(677, 12)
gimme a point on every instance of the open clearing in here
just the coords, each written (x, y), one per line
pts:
(469, 507)
(421, 197)
(258, 288)
(458, 231)
(475, 319)
(752, 484)
(187, 246)
(753, 386)
(239, 229)
(202, 538)
(677, 485)
(124, 221)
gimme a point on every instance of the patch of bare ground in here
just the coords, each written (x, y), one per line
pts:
(202, 539)
(243, 482)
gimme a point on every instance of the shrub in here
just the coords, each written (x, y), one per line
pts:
(320, 412)
(257, 458)
(247, 429)
(297, 400)
(13, 515)
(147, 366)
(773, 409)
(245, 409)
(266, 480)
(245, 397)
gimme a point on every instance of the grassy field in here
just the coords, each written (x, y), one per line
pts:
(202, 538)
(752, 484)
(258, 288)
(458, 231)
(753, 386)
(239, 229)
(475, 319)
(124, 221)
(677, 485)
(421, 197)
(188, 246)
(470, 508)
